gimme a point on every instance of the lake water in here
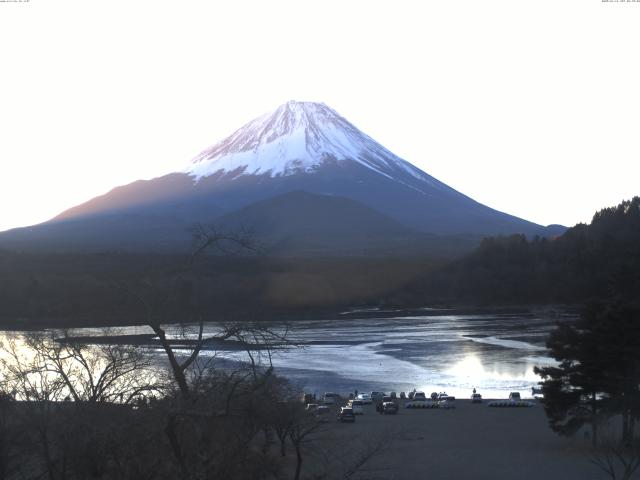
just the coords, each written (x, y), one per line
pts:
(495, 354)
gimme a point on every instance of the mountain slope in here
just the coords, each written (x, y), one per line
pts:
(303, 223)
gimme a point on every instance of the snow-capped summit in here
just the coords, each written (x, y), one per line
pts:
(298, 137)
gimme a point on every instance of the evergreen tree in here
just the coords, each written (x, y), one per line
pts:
(598, 374)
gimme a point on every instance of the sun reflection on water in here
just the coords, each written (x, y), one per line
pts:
(471, 368)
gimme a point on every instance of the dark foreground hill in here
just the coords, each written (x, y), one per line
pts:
(102, 289)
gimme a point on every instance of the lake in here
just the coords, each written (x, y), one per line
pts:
(494, 353)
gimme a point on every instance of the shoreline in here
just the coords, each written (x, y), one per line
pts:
(553, 311)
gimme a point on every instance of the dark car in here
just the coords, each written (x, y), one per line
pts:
(322, 413)
(330, 398)
(514, 396)
(346, 415)
(377, 396)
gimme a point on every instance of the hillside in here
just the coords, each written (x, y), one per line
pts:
(592, 261)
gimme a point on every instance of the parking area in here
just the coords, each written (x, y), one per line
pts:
(471, 440)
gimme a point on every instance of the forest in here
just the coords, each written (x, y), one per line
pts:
(600, 260)
(65, 290)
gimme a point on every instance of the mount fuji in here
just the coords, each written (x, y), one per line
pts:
(303, 178)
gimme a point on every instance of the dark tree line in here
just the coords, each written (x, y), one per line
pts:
(596, 261)
(43, 290)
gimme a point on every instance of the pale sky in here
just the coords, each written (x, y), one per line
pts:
(530, 107)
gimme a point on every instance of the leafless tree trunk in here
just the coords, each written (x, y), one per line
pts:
(9, 433)
(194, 409)
(372, 447)
(619, 460)
(303, 426)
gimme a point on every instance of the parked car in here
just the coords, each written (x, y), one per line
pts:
(346, 415)
(330, 398)
(476, 398)
(514, 396)
(419, 396)
(376, 396)
(322, 413)
(445, 396)
(447, 402)
(402, 395)
(365, 398)
(389, 408)
(357, 406)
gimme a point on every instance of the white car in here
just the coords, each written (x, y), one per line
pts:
(358, 407)
(365, 398)
(444, 396)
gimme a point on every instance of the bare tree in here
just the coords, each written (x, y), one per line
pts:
(209, 400)
(156, 297)
(301, 430)
(65, 391)
(10, 437)
(26, 376)
(282, 418)
(347, 457)
(95, 373)
(220, 241)
(618, 460)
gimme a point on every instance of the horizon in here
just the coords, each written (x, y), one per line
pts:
(538, 126)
